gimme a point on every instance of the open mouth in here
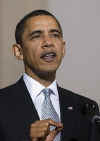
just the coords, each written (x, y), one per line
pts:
(48, 57)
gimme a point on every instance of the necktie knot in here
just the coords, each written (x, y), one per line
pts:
(47, 92)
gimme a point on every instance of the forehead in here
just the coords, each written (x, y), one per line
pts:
(41, 22)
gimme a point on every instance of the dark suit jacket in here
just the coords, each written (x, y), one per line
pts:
(17, 112)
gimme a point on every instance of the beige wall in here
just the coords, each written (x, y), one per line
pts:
(81, 24)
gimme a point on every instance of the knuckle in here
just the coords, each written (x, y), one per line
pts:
(46, 124)
(43, 134)
(45, 129)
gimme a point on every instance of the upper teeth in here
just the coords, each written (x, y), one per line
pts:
(49, 54)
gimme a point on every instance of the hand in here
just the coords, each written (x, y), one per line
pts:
(40, 130)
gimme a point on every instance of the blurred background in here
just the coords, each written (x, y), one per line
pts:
(80, 20)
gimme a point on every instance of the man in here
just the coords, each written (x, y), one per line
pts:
(40, 45)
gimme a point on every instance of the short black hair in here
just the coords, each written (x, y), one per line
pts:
(21, 25)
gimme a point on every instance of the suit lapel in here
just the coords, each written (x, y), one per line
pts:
(32, 114)
(67, 114)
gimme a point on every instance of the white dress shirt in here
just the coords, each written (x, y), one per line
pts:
(35, 88)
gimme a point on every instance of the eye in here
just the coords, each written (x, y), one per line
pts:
(36, 36)
(56, 35)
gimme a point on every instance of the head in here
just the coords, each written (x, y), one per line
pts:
(39, 43)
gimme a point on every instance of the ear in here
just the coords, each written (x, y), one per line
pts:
(17, 51)
(64, 51)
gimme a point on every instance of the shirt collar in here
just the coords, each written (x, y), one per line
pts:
(35, 88)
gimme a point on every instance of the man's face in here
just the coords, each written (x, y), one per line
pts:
(42, 44)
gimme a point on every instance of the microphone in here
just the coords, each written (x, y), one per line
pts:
(96, 119)
(91, 111)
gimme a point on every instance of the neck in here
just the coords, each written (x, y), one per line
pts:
(44, 78)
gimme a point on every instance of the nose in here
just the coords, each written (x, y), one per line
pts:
(47, 41)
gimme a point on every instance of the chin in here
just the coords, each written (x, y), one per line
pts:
(48, 71)
(46, 74)
(49, 68)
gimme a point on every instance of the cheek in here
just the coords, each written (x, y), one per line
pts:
(33, 56)
(30, 49)
(60, 49)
